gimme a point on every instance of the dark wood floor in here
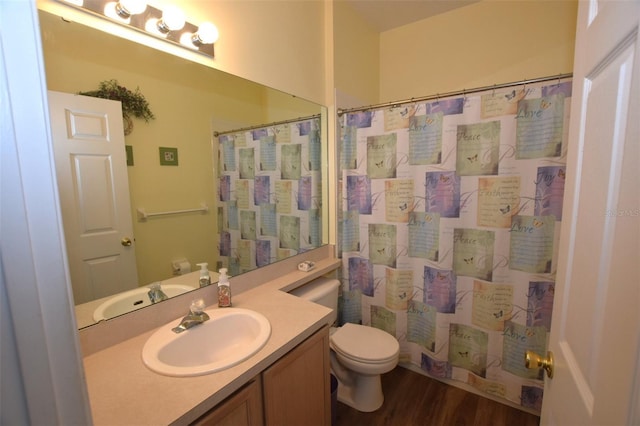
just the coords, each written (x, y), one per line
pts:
(414, 399)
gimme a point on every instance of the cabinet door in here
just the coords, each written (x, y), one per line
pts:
(296, 388)
(243, 408)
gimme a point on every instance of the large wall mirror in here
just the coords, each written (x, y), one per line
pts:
(174, 163)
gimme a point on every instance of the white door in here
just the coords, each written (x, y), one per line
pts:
(596, 320)
(91, 170)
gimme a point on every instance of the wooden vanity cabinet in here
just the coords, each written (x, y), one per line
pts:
(243, 408)
(295, 390)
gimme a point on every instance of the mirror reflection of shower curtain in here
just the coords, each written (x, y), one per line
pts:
(270, 189)
(449, 225)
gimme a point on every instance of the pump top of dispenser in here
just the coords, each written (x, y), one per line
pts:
(223, 278)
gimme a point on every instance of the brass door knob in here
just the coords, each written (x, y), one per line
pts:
(125, 242)
(533, 360)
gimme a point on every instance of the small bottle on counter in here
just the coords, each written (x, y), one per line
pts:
(205, 278)
(224, 290)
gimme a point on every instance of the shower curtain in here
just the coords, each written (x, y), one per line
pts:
(270, 189)
(449, 225)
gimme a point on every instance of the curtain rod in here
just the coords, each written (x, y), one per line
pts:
(259, 126)
(558, 77)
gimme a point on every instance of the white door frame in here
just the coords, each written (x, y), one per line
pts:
(34, 271)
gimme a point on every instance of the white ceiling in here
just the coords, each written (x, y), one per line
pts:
(384, 15)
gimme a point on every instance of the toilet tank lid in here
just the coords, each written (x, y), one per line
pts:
(316, 289)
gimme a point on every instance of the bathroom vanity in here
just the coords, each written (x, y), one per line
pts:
(282, 383)
(293, 391)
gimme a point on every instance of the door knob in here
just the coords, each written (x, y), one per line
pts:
(125, 242)
(533, 360)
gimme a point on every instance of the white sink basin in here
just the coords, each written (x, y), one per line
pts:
(134, 299)
(230, 336)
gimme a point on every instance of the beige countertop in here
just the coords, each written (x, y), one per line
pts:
(123, 391)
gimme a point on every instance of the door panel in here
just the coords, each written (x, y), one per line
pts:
(596, 324)
(95, 208)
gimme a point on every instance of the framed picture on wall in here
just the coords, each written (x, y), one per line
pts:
(129, 152)
(168, 156)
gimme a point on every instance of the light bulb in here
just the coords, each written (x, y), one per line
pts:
(207, 34)
(113, 10)
(133, 7)
(186, 39)
(173, 19)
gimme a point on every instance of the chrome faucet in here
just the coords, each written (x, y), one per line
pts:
(195, 316)
(156, 294)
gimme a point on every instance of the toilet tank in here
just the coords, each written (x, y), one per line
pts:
(323, 291)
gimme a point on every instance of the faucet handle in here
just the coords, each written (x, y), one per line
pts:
(197, 306)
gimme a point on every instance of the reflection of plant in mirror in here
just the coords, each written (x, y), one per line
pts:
(133, 103)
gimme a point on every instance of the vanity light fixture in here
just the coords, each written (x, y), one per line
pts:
(169, 23)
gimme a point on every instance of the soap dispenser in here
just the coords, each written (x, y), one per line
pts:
(205, 278)
(224, 290)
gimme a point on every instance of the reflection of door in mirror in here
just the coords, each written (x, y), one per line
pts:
(88, 141)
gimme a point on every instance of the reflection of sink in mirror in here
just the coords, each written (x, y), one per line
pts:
(85, 312)
(230, 336)
(134, 299)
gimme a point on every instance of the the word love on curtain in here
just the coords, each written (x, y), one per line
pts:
(269, 190)
(450, 221)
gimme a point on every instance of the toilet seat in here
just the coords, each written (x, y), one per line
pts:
(365, 344)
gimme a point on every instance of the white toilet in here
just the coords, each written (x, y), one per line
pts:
(359, 354)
